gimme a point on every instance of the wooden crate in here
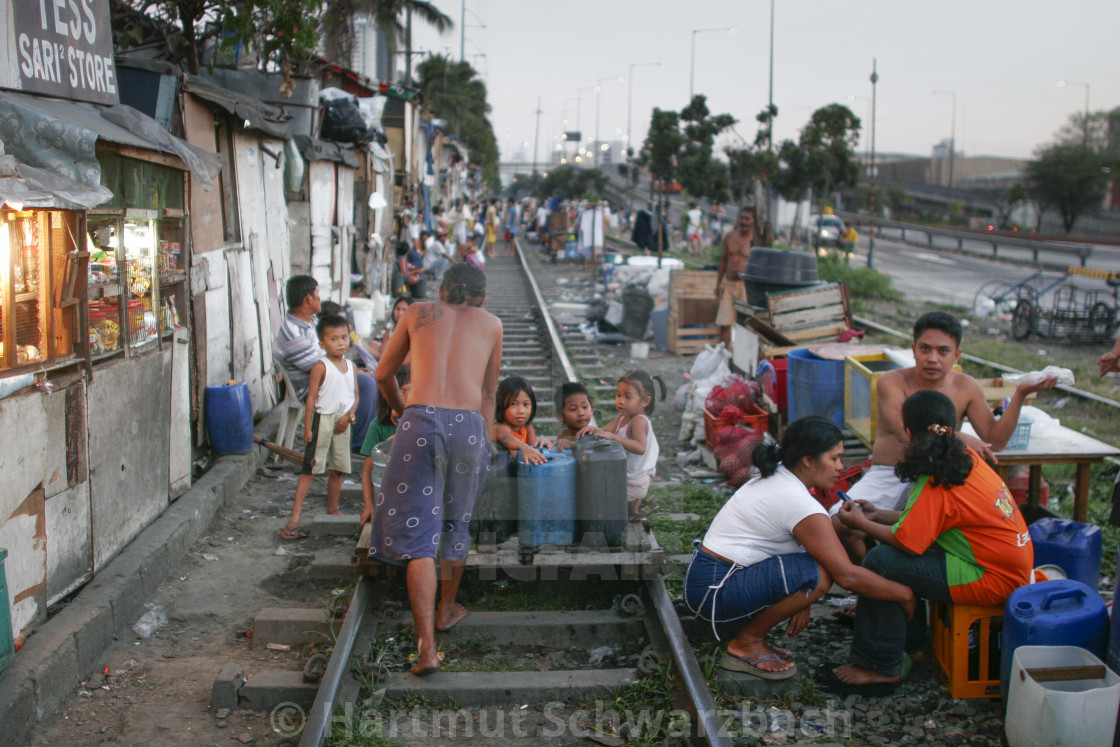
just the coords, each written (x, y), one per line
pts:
(692, 300)
(996, 390)
(812, 314)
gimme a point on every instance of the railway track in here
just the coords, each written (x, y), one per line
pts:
(632, 631)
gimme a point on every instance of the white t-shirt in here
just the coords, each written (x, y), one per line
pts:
(694, 216)
(757, 521)
(542, 216)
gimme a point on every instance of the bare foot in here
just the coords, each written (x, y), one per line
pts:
(856, 675)
(425, 664)
(336, 512)
(450, 616)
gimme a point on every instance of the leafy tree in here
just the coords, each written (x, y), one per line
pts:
(392, 17)
(277, 29)
(679, 147)
(697, 171)
(829, 141)
(452, 90)
(1072, 174)
(748, 165)
(572, 183)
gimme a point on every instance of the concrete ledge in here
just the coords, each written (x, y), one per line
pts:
(326, 525)
(291, 626)
(71, 645)
(332, 563)
(266, 690)
(481, 688)
(582, 629)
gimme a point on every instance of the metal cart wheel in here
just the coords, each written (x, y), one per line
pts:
(1023, 320)
(1102, 321)
(995, 297)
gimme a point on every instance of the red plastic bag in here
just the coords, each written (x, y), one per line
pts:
(735, 459)
(727, 439)
(734, 391)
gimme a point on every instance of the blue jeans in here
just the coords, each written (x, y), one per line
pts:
(724, 593)
(882, 633)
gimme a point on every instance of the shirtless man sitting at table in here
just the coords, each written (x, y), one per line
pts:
(937, 347)
(729, 286)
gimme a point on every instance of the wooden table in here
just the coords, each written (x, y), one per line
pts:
(1055, 445)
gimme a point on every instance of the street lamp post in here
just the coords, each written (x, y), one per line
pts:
(871, 191)
(732, 30)
(598, 102)
(579, 105)
(630, 96)
(952, 133)
(1062, 84)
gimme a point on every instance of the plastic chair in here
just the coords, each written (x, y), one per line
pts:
(969, 669)
(291, 411)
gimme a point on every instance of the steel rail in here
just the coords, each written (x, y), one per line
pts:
(316, 730)
(550, 326)
(711, 725)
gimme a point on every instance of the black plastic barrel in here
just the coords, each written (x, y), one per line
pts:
(771, 271)
(601, 513)
(636, 307)
(494, 518)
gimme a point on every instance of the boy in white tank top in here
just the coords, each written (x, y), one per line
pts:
(332, 398)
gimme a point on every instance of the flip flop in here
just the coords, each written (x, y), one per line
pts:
(643, 515)
(748, 664)
(785, 653)
(290, 534)
(830, 682)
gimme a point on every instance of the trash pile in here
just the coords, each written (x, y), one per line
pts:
(722, 410)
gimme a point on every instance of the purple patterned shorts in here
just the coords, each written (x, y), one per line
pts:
(436, 470)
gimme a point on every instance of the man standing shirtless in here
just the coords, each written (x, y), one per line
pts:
(440, 454)
(937, 340)
(729, 286)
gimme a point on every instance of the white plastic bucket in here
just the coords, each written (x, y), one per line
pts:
(1079, 713)
(363, 315)
(639, 350)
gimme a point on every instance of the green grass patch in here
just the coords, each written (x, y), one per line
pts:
(863, 283)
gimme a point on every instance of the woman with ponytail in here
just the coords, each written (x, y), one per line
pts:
(960, 539)
(771, 552)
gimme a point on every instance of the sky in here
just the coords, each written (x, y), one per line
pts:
(1002, 59)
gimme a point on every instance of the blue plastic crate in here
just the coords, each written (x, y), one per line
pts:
(1021, 438)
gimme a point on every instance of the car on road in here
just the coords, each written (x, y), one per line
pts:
(828, 229)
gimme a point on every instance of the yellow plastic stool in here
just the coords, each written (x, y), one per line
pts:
(949, 624)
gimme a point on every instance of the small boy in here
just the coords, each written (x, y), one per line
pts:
(575, 413)
(332, 398)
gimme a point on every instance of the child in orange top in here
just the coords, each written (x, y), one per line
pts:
(512, 426)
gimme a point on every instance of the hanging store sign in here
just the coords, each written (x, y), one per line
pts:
(62, 48)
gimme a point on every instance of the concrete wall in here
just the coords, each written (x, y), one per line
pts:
(89, 470)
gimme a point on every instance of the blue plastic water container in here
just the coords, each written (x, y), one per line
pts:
(546, 500)
(815, 386)
(229, 418)
(1052, 613)
(1071, 545)
(1112, 659)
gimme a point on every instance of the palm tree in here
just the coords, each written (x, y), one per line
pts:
(387, 15)
(453, 91)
